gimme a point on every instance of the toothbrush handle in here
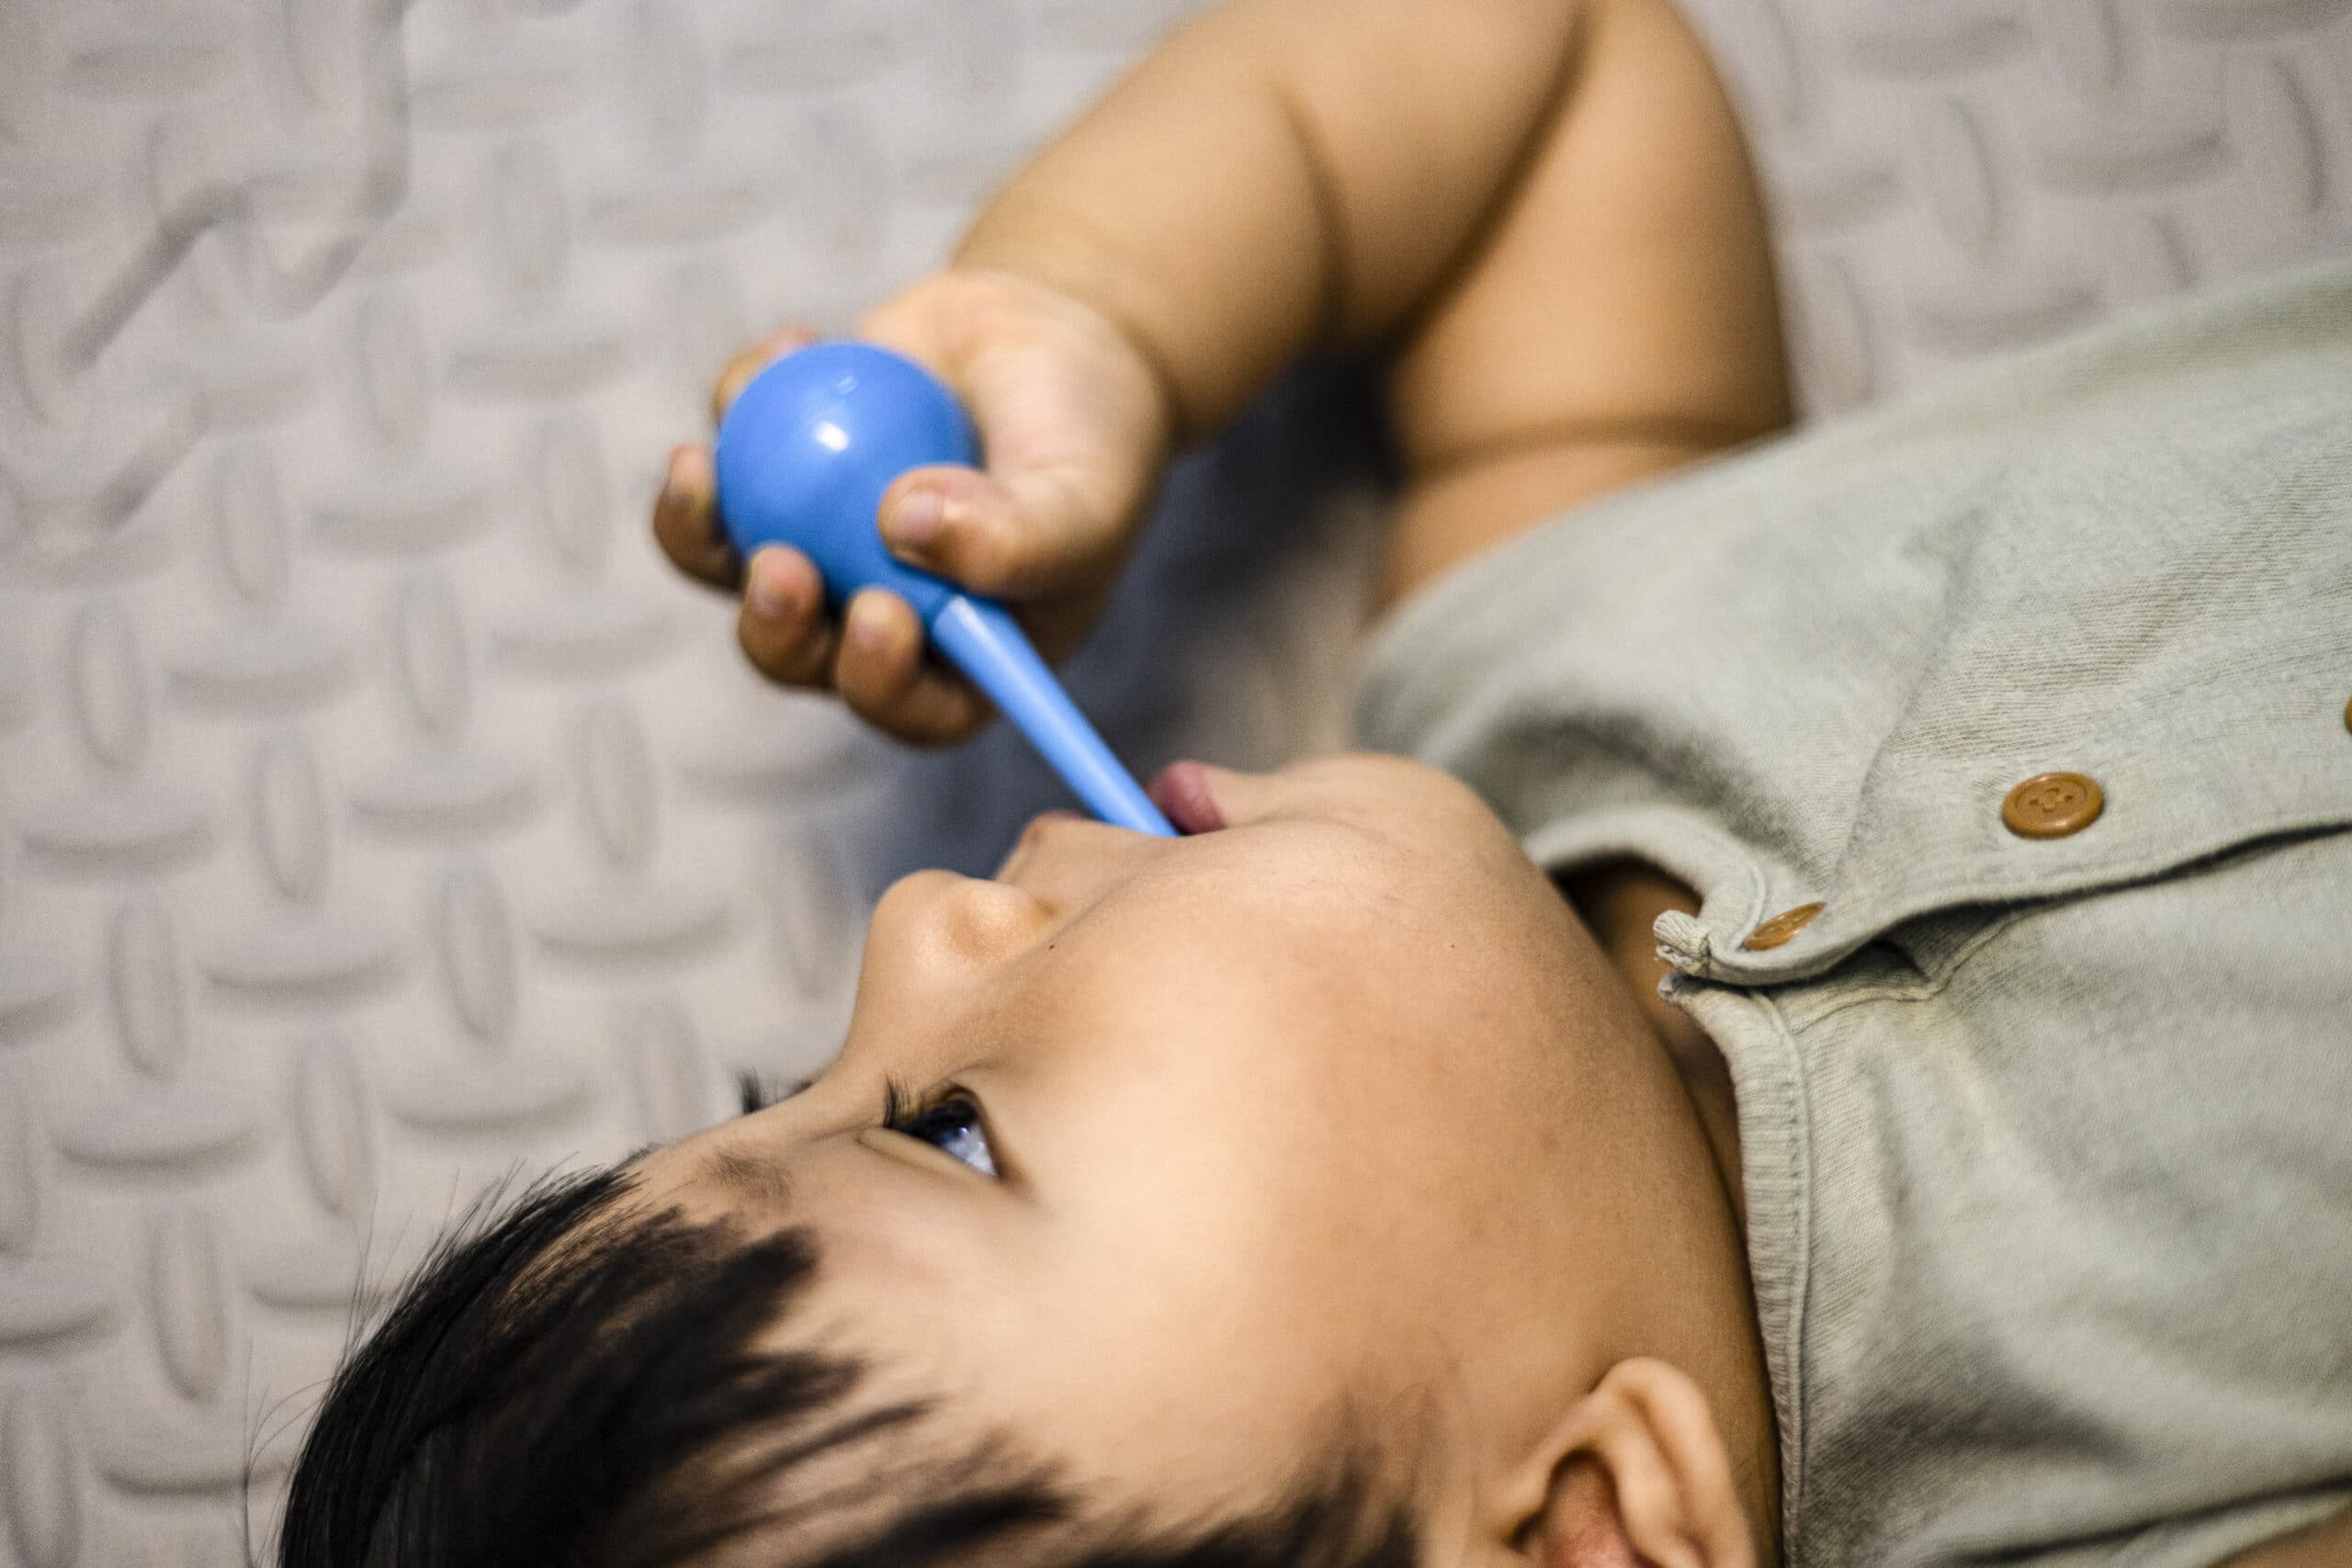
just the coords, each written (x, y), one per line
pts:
(985, 644)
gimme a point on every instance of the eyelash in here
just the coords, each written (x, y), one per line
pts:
(901, 1107)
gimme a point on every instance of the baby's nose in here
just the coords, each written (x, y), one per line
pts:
(936, 918)
(1067, 861)
(1026, 847)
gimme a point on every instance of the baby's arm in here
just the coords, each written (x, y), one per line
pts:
(1286, 172)
(1542, 205)
(1617, 320)
(1548, 201)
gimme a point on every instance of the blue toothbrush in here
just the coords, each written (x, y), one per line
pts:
(803, 457)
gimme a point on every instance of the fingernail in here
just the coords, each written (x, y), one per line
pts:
(869, 631)
(915, 520)
(767, 591)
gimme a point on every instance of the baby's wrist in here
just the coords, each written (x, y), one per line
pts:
(1101, 290)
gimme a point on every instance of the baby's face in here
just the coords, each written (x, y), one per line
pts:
(1207, 1143)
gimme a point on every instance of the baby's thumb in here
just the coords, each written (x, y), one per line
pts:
(1031, 537)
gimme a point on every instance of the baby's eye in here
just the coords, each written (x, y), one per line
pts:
(951, 1125)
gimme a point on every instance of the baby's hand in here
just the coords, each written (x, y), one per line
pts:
(1075, 427)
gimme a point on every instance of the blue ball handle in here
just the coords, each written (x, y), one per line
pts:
(803, 458)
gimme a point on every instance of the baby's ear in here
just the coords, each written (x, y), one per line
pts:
(1635, 1476)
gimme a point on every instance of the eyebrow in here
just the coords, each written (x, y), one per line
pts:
(752, 1176)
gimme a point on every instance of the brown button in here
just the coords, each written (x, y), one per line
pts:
(1776, 931)
(2051, 805)
(2347, 716)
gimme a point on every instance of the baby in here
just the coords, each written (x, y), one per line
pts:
(1337, 1186)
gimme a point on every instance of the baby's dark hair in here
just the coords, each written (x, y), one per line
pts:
(580, 1382)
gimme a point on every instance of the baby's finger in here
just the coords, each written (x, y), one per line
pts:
(751, 362)
(973, 530)
(881, 672)
(783, 626)
(685, 522)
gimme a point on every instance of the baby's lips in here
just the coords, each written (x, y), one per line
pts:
(1183, 791)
